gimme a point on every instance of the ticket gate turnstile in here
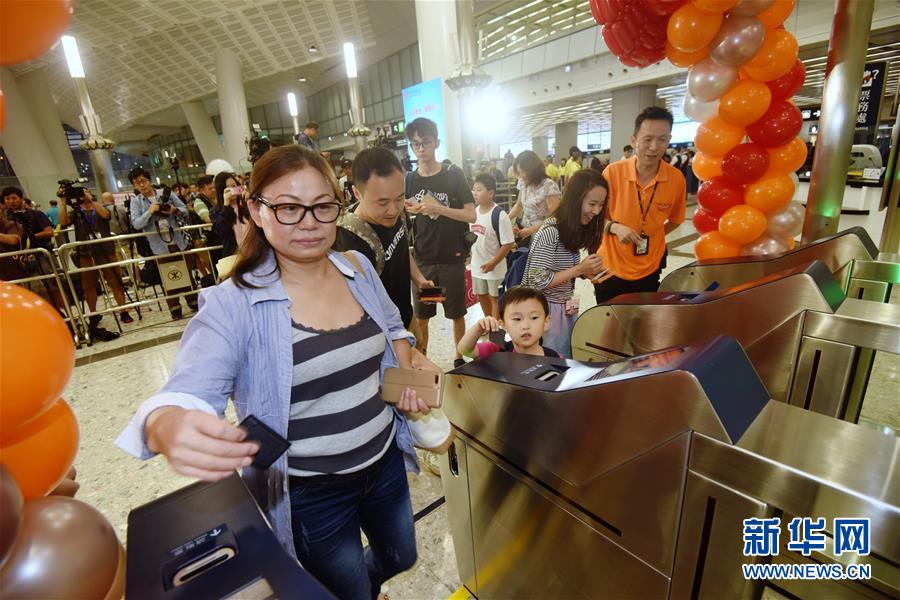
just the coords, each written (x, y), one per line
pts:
(850, 255)
(812, 346)
(631, 479)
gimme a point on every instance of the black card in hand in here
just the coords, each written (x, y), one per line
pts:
(271, 445)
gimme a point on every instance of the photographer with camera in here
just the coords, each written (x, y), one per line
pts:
(160, 216)
(91, 222)
(37, 232)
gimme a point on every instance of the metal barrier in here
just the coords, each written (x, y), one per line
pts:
(63, 302)
(175, 269)
(176, 273)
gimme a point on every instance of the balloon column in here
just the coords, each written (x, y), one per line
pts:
(51, 546)
(742, 72)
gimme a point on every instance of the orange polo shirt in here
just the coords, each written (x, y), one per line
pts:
(623, 207)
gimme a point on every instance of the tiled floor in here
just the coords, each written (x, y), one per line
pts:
(114, 377)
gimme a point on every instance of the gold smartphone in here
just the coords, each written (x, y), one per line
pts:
(427, 384)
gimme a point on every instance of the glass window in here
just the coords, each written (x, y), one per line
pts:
(394, 68)
(406, 70)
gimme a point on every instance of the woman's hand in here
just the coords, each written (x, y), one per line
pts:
(228, 196)
(198, 444)
(591, 265)
(410, 402)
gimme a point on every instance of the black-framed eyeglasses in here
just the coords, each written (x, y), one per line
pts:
(291, 213)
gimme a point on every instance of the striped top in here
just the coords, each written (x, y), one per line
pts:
(338, 421)
(546, 257)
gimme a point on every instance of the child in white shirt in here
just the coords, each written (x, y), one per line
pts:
(495, 241)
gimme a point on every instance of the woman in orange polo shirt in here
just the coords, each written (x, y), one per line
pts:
(646, 202)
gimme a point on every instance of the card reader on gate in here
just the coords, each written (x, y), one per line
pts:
(210, 540)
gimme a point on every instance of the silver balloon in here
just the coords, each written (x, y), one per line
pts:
(699, 111)
(796, 180)
(708, 81)
(765, 245)
(738, 40)
(750, 8)
(787, 222)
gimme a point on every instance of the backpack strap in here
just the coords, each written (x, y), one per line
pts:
(358, 227)
(354, 262)
(495, 221)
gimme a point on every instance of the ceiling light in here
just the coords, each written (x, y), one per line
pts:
(313, 48)
(292, 104)
(350, 59)
(73, 58)
(302, 80)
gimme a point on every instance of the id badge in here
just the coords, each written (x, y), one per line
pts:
(643, 247)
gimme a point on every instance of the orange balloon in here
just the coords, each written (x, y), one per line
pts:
(790, 157)
(714, 6)
(36, 355)
(706, 167)
(691, 30)
(716, 137)
(775, 15)
(713, 244)
(684, 59)
(39, 453)
(746, 102)
(29, 28)
(776, 57)
(742, 224)
(770, 192)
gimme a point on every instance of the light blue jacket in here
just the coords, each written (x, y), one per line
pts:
(239, 345)
(142, 220)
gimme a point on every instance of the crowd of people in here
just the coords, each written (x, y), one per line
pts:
(330, 273)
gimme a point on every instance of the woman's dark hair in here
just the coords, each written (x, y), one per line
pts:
(221, 181)
(487, 180)
(521, 293)
(596, 164)
(572, 234)
(274, 164)
(532, 166)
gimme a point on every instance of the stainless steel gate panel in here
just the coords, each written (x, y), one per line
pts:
(822, 376)
(530, 543)
(709, 550)
(455, 483)
(836, 252)
(809, 464)
(572, 490)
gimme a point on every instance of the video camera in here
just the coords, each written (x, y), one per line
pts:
(259, 145)
(72, 191)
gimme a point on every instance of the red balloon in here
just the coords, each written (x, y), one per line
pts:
(780, 124)
(788, 84)
(634, 30)
(598, 11)
(663, 8)
(719, 194)
(705, 221)
(745, 163)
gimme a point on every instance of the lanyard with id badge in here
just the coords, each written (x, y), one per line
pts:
(643, 247)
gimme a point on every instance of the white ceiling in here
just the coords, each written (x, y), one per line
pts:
(143, 57)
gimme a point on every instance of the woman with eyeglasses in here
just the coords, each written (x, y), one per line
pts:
(299, 337)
